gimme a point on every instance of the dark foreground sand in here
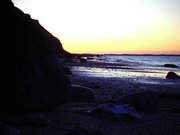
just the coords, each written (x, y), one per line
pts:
(74, 117)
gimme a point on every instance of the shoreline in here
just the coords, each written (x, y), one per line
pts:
(136, 74)
(72, 118)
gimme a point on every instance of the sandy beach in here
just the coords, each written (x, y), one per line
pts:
(74, 119)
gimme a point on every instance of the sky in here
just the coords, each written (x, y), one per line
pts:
(110, 26)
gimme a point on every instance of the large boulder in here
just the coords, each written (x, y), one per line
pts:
(81, 94)
(32, 77)
(172, 75)
(143, 101)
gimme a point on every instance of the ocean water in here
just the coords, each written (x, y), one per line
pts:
(152, 61)
(138, 67)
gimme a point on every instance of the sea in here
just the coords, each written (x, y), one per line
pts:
(141, 67)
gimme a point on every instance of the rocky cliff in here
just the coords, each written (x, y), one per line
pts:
(32, 77)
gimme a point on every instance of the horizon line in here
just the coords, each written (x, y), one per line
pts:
(163, 54)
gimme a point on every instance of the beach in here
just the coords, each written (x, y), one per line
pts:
(50, 90)
(73, 118)
(113, 80)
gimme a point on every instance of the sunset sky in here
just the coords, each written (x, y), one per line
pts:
(110, 26)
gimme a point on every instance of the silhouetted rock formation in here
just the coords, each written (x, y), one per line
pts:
(31, 74)
(55, 44)
(172, 75)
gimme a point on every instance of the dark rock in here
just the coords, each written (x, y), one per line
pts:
(94, 86)
(143, 101)
(116, 112)
(68, 61)
(169, 95)
(170, 65)
(172, 75)
(175, 109)
(6, 3)
(54, 43)
(65, 69)
(90, 58)
(83, 60)
(83, 131)
(37, 120)
(25, 119)
(7, 130)
(33, 79)
(81, 94)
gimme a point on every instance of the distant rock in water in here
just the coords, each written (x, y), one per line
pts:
(172, 75)
(33, 79)
(170, 65)
(83, 60)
